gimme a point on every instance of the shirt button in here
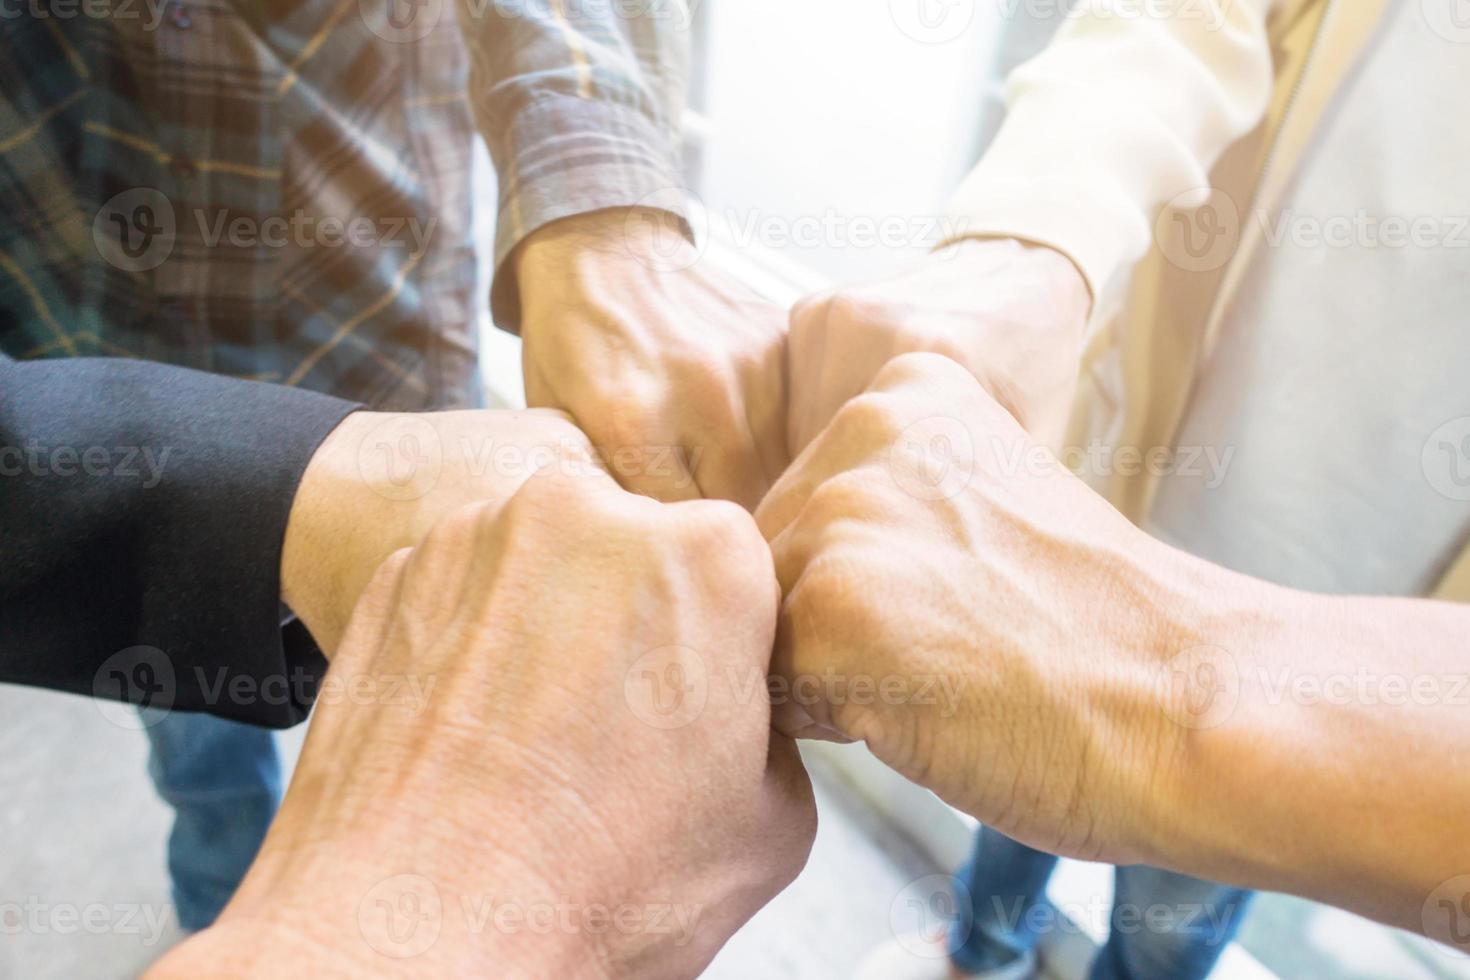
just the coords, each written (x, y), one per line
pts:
(178, 15)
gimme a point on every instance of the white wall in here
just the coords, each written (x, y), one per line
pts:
(832, 104)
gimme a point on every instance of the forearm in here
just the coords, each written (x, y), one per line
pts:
(1331, 761)
(376, 864)
(142, 511)
(341, 922)
(1094, 142)
(581, 107)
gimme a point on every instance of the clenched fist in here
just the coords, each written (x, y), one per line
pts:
(976, 615)
(544, 812)
(1012, 314)
(676, 372)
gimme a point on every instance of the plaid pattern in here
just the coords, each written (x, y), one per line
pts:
(281, 189)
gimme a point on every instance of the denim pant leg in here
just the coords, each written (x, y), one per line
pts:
(1168, 926)
(223, 780)
(1005, 881)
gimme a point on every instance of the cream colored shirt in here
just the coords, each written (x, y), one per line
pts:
(1347, 349)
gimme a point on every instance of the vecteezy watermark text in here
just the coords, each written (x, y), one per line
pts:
(149, 11)
(402, 917)
(35, 917)
(138, 229)
(34, 458)
(668, 688)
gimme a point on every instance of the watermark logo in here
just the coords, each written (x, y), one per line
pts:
(832, 229)
(401, 917)
(1446, 915)
(401, 458)
(1206, 465)
(135, 231)
(941, 692)
(138, 677)
(667, 688)
(933, 459)
(1362, 229)
(1207, 12)
(1363, 687)
(1202, 687)
(1446, 459)
(36, 917)
(401, 21)
(932, 21)
(659, 241)
(677, 15)
(1450, 19)
(928, 913)
(1199, 230)
(1206, 923)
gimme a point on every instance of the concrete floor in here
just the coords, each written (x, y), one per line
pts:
(83, 853)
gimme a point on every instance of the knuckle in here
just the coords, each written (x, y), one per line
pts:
(848, 495)
(460, 524)
(810, 313)
(835, 309)
(723, 537)
(555, 494)
(846, 308)
(702, 370)
(874, 415)
(828, 592)
(718, 525)
(921, 367)
(392, 567)
(623, 419)
(553, 425)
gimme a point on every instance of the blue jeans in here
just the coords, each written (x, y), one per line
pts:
(223, 780)
(1164, 926)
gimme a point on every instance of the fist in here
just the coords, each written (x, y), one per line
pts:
(594, 742)
(1012, 314)
(950, 599)
(676, 372)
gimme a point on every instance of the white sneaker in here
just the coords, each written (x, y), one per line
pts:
(921, 957)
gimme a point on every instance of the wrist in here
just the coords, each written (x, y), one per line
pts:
(1162, 696)
(242, 946)
(1218, 737)
(338, 531)
(572, 250)
(414, 891)
(1059, 278)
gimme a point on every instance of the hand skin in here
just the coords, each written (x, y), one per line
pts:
(1013, 313)
(380, 481)
(649, 349)
(1118, 700)
(531, 781)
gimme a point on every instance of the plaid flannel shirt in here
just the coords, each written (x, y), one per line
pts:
(282, 189)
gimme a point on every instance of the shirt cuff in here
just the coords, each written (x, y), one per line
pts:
(1063, 172)
(565, 156)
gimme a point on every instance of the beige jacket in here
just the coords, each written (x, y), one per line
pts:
(1140, 143)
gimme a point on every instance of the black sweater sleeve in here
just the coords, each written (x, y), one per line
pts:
(143, 510)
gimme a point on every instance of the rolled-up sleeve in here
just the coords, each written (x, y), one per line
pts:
(1119, 115)
(580, 103)
(143, 509)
